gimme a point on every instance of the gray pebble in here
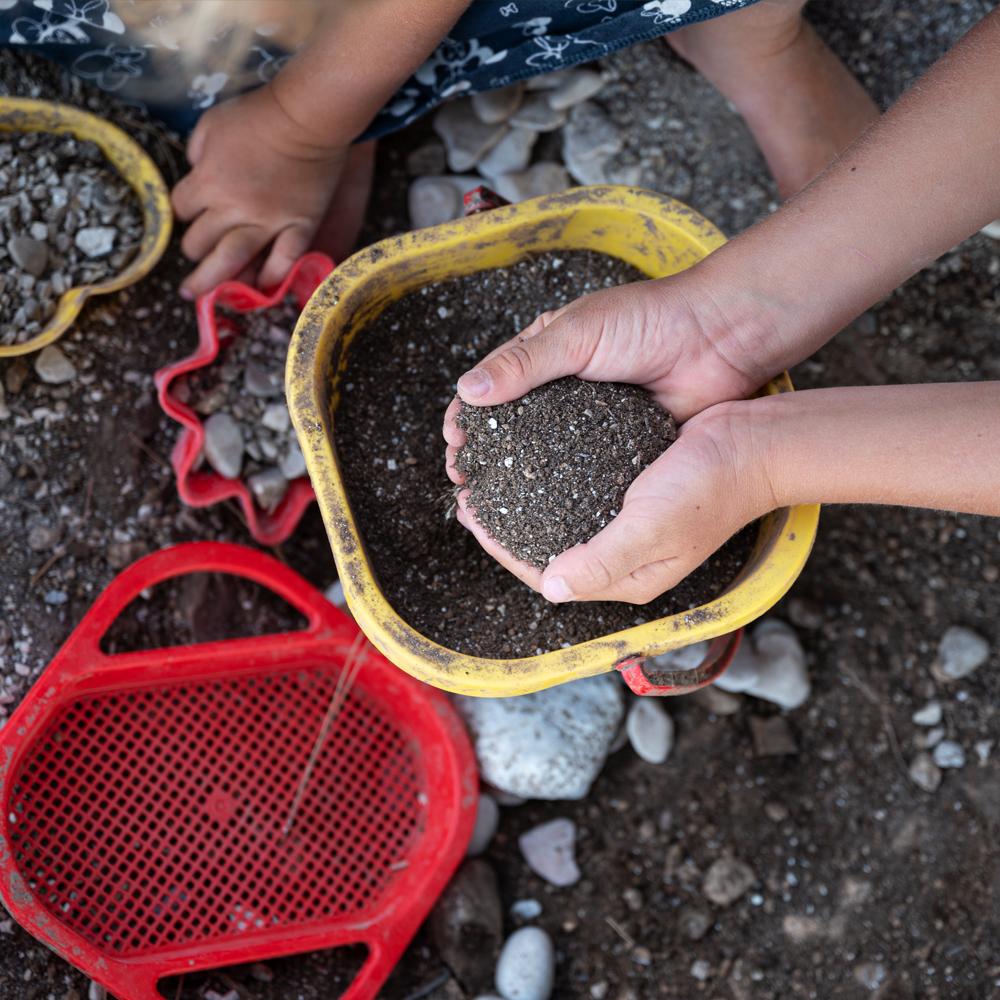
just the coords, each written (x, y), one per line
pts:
(527, 966)
(960, 652)
(224, 445)
(31, 255)
(293, 462)
(550, 850)
(727, 880)
(260, 382)
(96, 241)
(650, 730)
(268, 487)
(924, 773)
(53, 366)
(948, 753)
(487, 821)
(276, 418)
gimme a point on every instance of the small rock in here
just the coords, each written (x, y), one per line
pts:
(701, 969)
(53, 366)
(433, 200)
(487, 821)
(56, 597)
(775, 812)
(983, 748)
(122, 554)
(931, 738)
(17, 372)
(633, 899)
(466, 138)
(6, 926)
(430, 158)
(869, 974)
(547, 745)
(550, 850)
(261, 972)
(276, 418)
(948, 753)
(527, 966)
(547, 81)
(96, 992)
(28, 254)
(335, 594)
(536, 113)
(96, 241)
(41, 538)
(726, 881)
(576, 87)
(650, 730)
(771, 736)
(960, 651)
(992, 230)
(467, 925)
(801, 929)
(715, 701)
(224, 445)
(599, 990)
(260, 382)
(924, 773)
(771, 666)
(805, 614)
(494, 106)
(589, 141)
(694, 922)
(929, 715)
(526, 909)
(293, 463)
(510, 155)
(268, 488)
(535, 182)
(685, 658)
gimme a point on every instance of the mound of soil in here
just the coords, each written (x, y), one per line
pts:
(550, 470)
(399, 381)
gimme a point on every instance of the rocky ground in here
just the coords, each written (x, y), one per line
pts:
(863, 883)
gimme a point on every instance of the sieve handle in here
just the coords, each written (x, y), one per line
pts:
(204, 557)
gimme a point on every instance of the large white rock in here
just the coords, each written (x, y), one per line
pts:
(438, 198)
(224, 445)
(589, 141)
(538, 180)
(53, 366)
(487, 821)
(510, 155)
(550, 850)
(960, 651)
(466, 138)
(650, 730)
(96, 241)
(547, 745)
(575, 88)
(771, 664)
(526, 968)
(494, 106)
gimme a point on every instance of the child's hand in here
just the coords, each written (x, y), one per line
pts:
(698, 493)
(255, 182)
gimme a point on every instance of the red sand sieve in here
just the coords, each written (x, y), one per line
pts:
(144, 794)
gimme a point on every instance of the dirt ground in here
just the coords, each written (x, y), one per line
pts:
(866, 885)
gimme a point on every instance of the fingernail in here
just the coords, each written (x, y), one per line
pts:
(474, 383)
(555, 590)
(186, 294)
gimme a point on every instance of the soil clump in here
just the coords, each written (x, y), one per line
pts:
(550, 470)
(399, 381)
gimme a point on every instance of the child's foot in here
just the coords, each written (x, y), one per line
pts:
(800, 101)
(339, 229)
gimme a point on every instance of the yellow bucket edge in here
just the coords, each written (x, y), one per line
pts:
(22, 114)
(658, 235)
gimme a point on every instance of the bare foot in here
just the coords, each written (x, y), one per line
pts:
(339, 229)
(800, 101)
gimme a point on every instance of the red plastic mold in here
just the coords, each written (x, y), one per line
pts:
(143, 795)
(204, 488)
(673, 682)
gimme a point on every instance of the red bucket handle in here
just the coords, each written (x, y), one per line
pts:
(674, 682)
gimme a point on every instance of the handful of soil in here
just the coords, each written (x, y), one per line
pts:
(550, 470)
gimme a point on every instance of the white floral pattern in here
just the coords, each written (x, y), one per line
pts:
(664, 11)
(450, 60)
(111, 67)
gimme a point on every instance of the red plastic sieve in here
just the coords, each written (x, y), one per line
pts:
(144, 794)
(203, 488)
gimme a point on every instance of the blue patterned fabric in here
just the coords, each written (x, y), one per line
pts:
(494, 43)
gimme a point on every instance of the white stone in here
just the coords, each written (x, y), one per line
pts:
(436, 199)
(550, 850)
(992, 230)
(547, 745)
(715, 701)
(983, 749)
(650, 730)
(869, 974)
(276, 418)
(727, 880)
(510, 155)
(535, 182)
(293, 462)
(224, 445)
(948, 753)
(527, 966)
(924, 773)
(492, 107)
(931, 738)
(268, 488)
(701, 969)
(466, 138)
(589, 141)
(575, 88)
(929, 715)
(96, 241)
(487, 821)
(526, 909)
(960, 651)
(684, 658)
(261, 381)
(772, 666)
(537, 114)
(335, 594)
(548, 81)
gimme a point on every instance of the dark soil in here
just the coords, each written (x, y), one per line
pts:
(550, 470)
(432, 571)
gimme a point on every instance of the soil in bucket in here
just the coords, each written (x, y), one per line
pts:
(399, 381)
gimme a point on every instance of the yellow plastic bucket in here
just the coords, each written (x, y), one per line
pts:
(654, 233)
(21, 114)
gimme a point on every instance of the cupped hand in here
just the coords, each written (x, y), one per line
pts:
(256, 183)
(697, 494)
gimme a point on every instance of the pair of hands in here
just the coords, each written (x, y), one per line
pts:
(700, 491)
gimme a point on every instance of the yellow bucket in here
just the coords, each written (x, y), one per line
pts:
(21, 114)
(654, 233)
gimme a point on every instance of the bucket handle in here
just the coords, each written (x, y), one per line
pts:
(674, 682)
